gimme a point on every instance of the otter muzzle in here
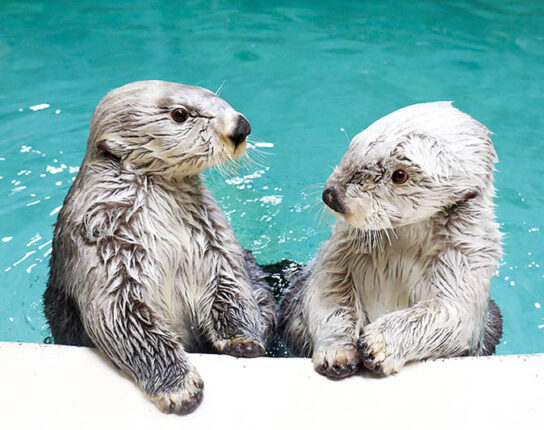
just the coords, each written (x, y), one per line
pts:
(240, 132)
(332, 199)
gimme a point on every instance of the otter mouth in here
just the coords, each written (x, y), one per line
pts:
(239, 150)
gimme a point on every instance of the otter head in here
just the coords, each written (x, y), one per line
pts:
(168, 129)
(410, 165)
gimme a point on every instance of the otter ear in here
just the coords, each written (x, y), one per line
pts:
(109, 145)
(469, 195)
(466, 195)
(103, 145)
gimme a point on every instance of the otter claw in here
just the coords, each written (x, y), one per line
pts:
(336, 364)
(340, 370)
(243, 348)
(184, 401)
(373, 353)
(180, 408)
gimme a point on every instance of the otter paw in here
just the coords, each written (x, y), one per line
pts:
(336, 362)
(248, 348)
(183, 401)
(376, 356)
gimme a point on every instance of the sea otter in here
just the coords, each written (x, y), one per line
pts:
(405, 274)
(145, 266)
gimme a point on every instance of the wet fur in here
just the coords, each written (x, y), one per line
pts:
(145, 266)
(405, 274)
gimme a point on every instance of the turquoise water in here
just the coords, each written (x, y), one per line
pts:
(301, 73)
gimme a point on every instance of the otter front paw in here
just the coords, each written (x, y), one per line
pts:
(248, 348)
(336, 362)
(376, 356)
(183, 401)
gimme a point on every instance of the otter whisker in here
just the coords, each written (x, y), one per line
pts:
(314, 201)
(218, 91)
(318, 184)
(386, 232)
(329, 217)
(259, 143)
(212, 175)
(343, 130)
(314, 194)
(325, 216)
(316, 214)
(322, 214)
(259, 153)
(319, 215)
(255, 161)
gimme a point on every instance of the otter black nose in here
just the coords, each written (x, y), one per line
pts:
(332, 200)
(240, 132)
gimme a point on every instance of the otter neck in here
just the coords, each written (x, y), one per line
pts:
(109, 168)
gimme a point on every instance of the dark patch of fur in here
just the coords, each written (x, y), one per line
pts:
(63, 316)
(264, 292)
(493, 329)
(289, 310)
(279, 275)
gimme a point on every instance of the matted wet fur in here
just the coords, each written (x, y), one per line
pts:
(405, 274)
(145, 265)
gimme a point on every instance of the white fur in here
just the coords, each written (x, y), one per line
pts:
(406, 271)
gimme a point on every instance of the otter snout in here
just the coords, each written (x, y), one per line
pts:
(332, 199)
(241, 130)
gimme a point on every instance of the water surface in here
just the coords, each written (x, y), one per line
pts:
(301, 72)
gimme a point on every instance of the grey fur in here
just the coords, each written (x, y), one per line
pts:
(405, 274)
(145, 265)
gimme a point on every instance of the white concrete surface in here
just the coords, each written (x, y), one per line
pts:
(57, 387)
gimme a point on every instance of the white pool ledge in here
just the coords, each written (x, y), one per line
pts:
(47, 386)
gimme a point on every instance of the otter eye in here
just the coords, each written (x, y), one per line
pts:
(399, 176)
(179, 115)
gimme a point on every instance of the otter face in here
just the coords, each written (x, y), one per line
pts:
(410, 165)
(168, 129)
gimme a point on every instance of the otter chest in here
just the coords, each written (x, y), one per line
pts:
(181, 247)
(390, 278)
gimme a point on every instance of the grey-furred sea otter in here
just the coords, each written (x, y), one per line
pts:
(145, 265)
(405, 274)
